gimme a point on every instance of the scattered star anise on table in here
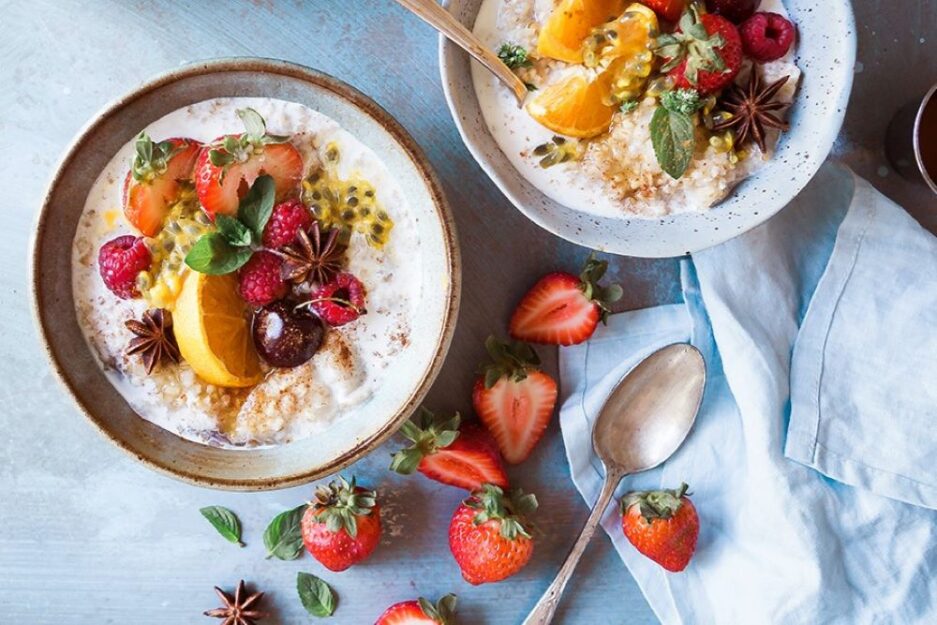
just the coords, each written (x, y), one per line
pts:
(154, 339)
(315, 255)
(240, 609)
(752, 107)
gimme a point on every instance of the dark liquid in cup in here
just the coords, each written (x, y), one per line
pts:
(927, 138)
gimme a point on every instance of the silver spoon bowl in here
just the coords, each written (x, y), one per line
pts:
(643, 422)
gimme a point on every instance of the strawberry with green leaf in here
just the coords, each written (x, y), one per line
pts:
(230, 165)
(342, 525)
(450, 452)
(514, 398)
(662, 525)
(704, 53)
(154, 181)
(420, 612)
(563, 309)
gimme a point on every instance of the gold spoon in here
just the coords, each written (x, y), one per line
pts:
(440, 19)
(643, 422)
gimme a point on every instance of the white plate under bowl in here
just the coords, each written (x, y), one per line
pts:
(826, 53)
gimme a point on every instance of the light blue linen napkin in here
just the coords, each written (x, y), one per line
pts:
(813, 462)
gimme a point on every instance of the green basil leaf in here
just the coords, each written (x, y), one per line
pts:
(283, 537)
(253, 123)
(316, 596)
(672, 136)
(225, 522)
(257, 206)
(233, 231)
(213, 255)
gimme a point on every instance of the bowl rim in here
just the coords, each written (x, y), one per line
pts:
(447, 52)
(414, 153)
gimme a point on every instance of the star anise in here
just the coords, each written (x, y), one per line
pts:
(154, 339)
(240, 609)
(315, 255)
(752, 106)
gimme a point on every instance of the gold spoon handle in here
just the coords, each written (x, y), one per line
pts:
(440, 19)
(542, 614)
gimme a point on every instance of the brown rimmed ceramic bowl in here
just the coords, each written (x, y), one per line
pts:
(351, 436)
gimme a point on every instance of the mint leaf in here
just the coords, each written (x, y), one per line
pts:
(681, 101)
(673, 138)
(233, 231)
(257, 206)
(225, 522)
(283, 537)
(213, 255)
(316, 596)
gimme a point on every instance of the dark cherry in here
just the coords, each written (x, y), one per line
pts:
(284, 336)
(736, 11)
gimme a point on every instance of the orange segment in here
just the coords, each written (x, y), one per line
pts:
(573, 107)
(570, 23)
(213, 332)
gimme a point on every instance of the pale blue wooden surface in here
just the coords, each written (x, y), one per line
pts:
(89, 537)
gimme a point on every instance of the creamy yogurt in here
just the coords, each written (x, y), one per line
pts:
(517, 133)
(288, 404)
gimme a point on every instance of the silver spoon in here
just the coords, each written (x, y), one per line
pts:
(643, 422)
(440, 19)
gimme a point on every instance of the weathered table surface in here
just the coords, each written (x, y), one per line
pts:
(88, 537)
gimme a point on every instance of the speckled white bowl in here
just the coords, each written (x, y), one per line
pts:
(826, 53)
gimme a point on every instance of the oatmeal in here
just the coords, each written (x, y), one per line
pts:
(237, 211)
(590, 135)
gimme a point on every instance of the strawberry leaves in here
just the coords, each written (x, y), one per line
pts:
(603, 296)
(692, 43)
(442, 612)
(509, 360)
(429, 436)
(339, 503)
(510, 510)
(238, 148)
(150, 158)
(656, 504)
(234, 240)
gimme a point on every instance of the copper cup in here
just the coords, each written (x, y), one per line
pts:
(911, 140)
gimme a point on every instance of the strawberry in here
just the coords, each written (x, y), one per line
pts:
(514, 398)
(420, 612)
(152, 184)
(706, 63)
(663, 525)
(465, 457)
(670, 10)
(342, 525)
(227, 168)
(489, 535)
(562, 309)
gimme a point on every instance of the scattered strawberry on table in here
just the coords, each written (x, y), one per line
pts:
(514, 398)
(449, 451)
(342, 525)
(663, 525)
(420, 612)
(489, 534)
(563, 309)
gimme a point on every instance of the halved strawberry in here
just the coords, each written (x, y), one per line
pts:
(562, 309)
(227, 168)
(514, 398)
(152, 184)
(420, 612)
(464, 457)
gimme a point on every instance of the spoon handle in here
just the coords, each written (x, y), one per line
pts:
(440, 19)
(542, 614)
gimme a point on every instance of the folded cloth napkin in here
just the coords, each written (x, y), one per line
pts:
(813, 461)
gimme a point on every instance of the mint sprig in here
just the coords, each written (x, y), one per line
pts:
(225, 523)
(316, 596)
(283, 537)
(235, 239)
(673, 138)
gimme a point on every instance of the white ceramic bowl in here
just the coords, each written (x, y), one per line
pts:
(826, 53)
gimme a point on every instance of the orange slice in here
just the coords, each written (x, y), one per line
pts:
(212, 329)
(570, 23)
(573, 107)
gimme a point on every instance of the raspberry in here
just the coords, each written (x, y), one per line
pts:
(736, 11)
(286, 221)
(259, 280)
(119, 261)
(767, 36)
(340, 301)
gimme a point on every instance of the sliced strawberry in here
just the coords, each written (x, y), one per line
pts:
(420, 612)
(562, 309)
(152, 184)
(514, 398)
(464, 457)
(227, 168)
